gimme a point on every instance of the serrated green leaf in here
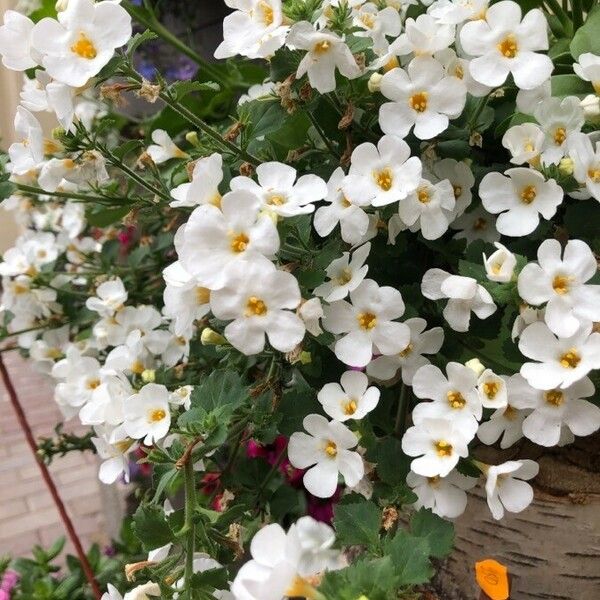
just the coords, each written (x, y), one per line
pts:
(438, 532)
(151, 527)
(357, 523)
(410, 557)
(181, 89)
(107, 216)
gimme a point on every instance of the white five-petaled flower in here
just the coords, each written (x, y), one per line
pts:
(559, 279)
(214, 239)
(327, 446)
(147, 414)
(521, 196)
(525, 143)
(507, 488)
(500, 265)
(15, 42)
(110, 297)
(586, 162)
(561, 361)
(377, 24)
(367, 323)
(411, 358)
(504, 424)
(75, 47)
(438, 444)
(460, 176)
(588, 69)
(349, 399)
(279, 190)
(423, 96)
(476, 224)
(457, 11)
(259, 299)
(424, 35)
(326, 52)
(464, 295)
(455, 397)
(504, 43)
(383, 174)
(27, 152)
(164, 148)
(204, 187)
(114, 454)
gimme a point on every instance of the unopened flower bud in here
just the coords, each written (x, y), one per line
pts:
(209, 337)
(61, 5)
(566, 166)
(475, 365)
(591, 106)
(192, 138)
(148, 376)
(375, 82)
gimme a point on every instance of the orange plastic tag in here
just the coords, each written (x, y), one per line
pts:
(492, 578)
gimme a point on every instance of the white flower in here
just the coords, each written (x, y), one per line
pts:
(254, 30)
(455, 12)
(144, 591)
(460, 176)
(327, 446)
(213, 240)
(476, 224)
(383, 174)
(368, 323)
(553, 410)
(345, 274)
(112, 593)
(377, 24)
(561, 361)
(204, 187)
(560, 281)
(15, 42)
(114, 455)
(349, 399)
(430, 208)
(455, 397)
(164, 148)
(527, 315)
(464, 294)
(147, 414)
(439, 443)
(353, 220)
(260, 300)
(311, 312)
(110, 297)
(588, 69)
(50, 347)
(506, 44)
(528, 100)
(258, 90)
(423, 36)
(525, 143)
(505, 423)
(459, 67)
(28, 151)
(182, 396)
(279, 191)
(520, 198)
(326, 53)
(82, 41)
(106, 404)
(500, 266)
(411, 358)
(445, 496)
(492, 390)
(590, 106)
(506, 489)
(422, 96)
(586, 162)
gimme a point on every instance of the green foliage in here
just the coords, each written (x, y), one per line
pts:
(357, 522)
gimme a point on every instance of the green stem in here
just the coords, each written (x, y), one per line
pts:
(190, 504)
(322, 134)
(477, 113)
(399, 425)
(577, 12)
(28, 189)
(561, 15)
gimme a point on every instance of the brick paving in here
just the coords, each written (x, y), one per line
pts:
(27, 513)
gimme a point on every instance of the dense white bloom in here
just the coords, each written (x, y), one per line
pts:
(280, 192)
(550, 411)
(439, 444)
(560, 280)
(422, 96)
(377, 24)
(460, 176)
(110, 297)
(504, 43)
(457, 66)
(383, 174)
(506, 486)
(455, 12)
(588, 68)
(368, 323)
(147, 414)
(213, 239)
(143, 592)
(345, 274)
(586, 162)
(28, 151)
(83, 39)
(464, 295)
(15, 42)
(204, 187)
(528, 100)
(504, 424)
(107, 400)
(476, 224)
(525, 143)
(445, 496)
(424, 35)
(260, 300)
(411, 358)
(326, 52)
(429, 208)
(327, 446)
(492, 390)
(521, 196)
(527, 315)
(254, 30)
(311, 312)
(49, 348)
(164, 148)
(353, 220)
(561, 361)
(455, 397)
(114, 455)
(500, 265)
(349, 399)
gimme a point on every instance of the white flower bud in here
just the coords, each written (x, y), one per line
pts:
(591, 106)
(500, 266)
(375, 82)
(475, 365)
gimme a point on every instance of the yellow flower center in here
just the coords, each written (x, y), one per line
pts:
(570, 359)
(443, 448)
(350, 407)
(84, 47)
(508, 47)
(345, 202)
(367, 320)
(157, 414)
(216, 200)
(322, 47)
(594, 174)
(19, 288)
(92, 384)
(560, 135)
(266, 12)
(137, 367)
(528, 194)
(344, 276)
(459, 72)
(480, 224)
(368, 20)
(384, 179)
(423, 195)
(239, 242)
(202, 295)
(301, 588)
(276, 200)
(457, 190)
(124, 445)
(255, 307)
(554, 397)
(434, 481)
(408, 350)
(53, 353)
(418, 101)
(496, 268)
(331, 449)
(561, 284)
(509, 413)
(456, 399)
(491, 389)
(51, 147)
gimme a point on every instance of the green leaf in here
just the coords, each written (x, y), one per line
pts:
(392, 463)
(357, 523)
(151, 527)
(586, 39)
(297, 401)
(569, 85)
(138, 39)
(107, 216)
(410, 557)
(222, 388)
(438, 531)
(182, 88)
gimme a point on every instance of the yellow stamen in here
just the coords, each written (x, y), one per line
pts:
(92, 384)
(384, 179)
(570, 359)
(457, 190)
(301, 588)
(554, 397)
(423, 195)
(456, 399)
(509, 413)
(350, 407)
(84, 47)
(480, 224)
(491, 389)
(528, 194)
(202, 295)
(345, 202)
(508, 47)
(276, 200)
(368, 20)
(418, 101)
(239, 243)
(443, 448)
(404, 353)
(560, 135)
(331, 449)
(322, 47)
(158, 414)
(367, 320)
(137, 367)
(594, 174)
(434, 481)
(255, 307)
(266, 12)
(561, 284)
(344, 276)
